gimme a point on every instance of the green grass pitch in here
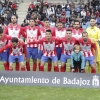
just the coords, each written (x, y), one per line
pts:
(46, 93)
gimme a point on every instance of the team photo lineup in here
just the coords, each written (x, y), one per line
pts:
(50, 45)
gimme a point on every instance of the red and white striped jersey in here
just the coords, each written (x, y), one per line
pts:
(4, 41)
(43, 32)
(49, 47)
(67, 46)
(87, 47)
(13, 30)
(59, 33)
(77, 33)
(31, 34)
(16, 50)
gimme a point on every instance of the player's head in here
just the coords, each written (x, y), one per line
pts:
(68, 33)
(1, 33)
(48, 34)
(46, 22)
(14, 41)
(32, 22)
(85, 36)
(13, 19)
(76, 24)
(77, 48)
(92, 22)
(59, 25)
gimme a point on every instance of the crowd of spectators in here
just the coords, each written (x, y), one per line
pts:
(7, 9)
(65, 13)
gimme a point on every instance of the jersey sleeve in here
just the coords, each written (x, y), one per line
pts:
(8, 37)
(6, 47)
(41, 23)
(22, 31)
(94, 46)
(6, 30)
(24, 49)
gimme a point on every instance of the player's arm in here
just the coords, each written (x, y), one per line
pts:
(82, 63)
(22, 31)
(5, 30)
(5, 47)
(95, 50)
(40, 22)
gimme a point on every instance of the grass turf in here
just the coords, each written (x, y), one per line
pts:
(46, 93)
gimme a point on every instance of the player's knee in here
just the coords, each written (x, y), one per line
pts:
(63, 64)
(27, 60)
(22, 64)
(35, 60)
(55, 64)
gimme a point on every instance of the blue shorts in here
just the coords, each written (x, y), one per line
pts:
(46, 58)
(40, 54)
(64, 58)
(4, 56)
(59, 51)
(32, 52)
(12, 59)
(89, 59)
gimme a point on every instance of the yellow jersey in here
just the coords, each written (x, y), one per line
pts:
(94, 35)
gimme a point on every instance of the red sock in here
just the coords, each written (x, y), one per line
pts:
(22, 68)
(56, 69)
(34, 66)
(70, 69)
(76, 70)
(27, 66)
(17, 66)
(41, 68)
(65, 68)
(39, 65)
(62, 69)
(49, 66)
(93, 70)
(6, 67)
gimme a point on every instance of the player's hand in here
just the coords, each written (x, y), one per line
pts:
(73, 70)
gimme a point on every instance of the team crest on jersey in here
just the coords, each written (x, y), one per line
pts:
(13, 32)
(16, 51)
(49, 46)
(68, 46)
(85, 47)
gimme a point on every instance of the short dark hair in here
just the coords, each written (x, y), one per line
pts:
(46, 19)
(1, 30)
(69, 29)
(14, 39)
(60, 22)
(84, 33)
(76, 21)
(32, 19)
(14, 16)
(92, 18)
(48, 30)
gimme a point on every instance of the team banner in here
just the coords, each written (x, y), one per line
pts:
(55, 79)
